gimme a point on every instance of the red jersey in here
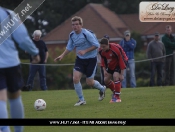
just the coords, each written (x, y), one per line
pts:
(113, 57)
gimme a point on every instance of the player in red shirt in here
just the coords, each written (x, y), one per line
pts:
(113, 60)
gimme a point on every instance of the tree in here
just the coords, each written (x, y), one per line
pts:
(9, 4)
(140, 43)
(53, 12)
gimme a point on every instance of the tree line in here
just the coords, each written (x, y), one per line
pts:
(53, 12)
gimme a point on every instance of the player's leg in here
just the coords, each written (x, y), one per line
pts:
(3, 99)
(16, 108)
(78, 88)
(94, 83)
(14, 84)
(117, 89)
(3, 105)
(42, 76)
(115, 85)
(90, 73)
(77, 74)
(108, 82)
(32, 72)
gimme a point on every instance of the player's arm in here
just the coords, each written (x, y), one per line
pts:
(20, 35)
(62, 55)
(68, 49)
(93, 41)
(121, 62)
(121, 75)
(82, 52)
(91, 49)
(24, 42)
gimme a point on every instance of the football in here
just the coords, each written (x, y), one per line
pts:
(40, 104)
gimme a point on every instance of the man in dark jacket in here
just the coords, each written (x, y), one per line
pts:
(169, 42)
(43, 53)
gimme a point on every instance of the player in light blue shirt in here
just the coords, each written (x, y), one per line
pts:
(82, 41)
(10, 72)
(7, 47)
(86, 45)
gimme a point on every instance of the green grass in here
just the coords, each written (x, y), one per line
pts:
(155, 102)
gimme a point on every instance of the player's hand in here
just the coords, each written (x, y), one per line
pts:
(35, 59)
(81, 52)
(58, 58)
(121, 77)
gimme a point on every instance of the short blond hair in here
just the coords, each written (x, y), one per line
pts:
(77, 18)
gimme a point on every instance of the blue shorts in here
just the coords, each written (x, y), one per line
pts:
(11, 78)
(86, 66)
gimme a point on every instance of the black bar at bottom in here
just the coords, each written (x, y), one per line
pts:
(87, 122)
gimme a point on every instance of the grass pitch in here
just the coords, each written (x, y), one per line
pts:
(147, 102)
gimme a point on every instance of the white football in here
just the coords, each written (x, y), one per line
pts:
(40, 104)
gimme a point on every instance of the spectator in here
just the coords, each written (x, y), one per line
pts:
(128, 44)
(41, 69)
(10, 70)
(156, 49)
(169, 41)
(86, 45)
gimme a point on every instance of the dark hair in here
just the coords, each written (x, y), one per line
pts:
(104, 41)
(106, 36)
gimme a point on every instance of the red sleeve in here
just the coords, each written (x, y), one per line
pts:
(120, 58)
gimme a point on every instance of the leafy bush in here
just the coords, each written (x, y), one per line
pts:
(60, 76)
(142, 69)
(142, 82)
